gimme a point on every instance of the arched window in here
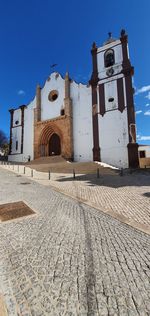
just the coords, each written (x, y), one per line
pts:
(109, 58)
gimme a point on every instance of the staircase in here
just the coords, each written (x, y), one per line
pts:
(46, 160)
(57, 164)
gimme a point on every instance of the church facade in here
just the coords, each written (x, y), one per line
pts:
(82, 122)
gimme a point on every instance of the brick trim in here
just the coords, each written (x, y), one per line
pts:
(93, 82)
(128, 71)
(132, 146)
(96, 148)
(94, 78)
(121, 101)
(102, 109)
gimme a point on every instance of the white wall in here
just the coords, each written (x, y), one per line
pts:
(82, 122)
(16, 137)
(51, 109)
(28, 146)
(28, 141)
(16, 158)
(110, 91)
(17, 117)
(116, 46)
(113, 135)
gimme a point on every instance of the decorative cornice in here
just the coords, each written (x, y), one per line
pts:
(94, 48)
(16, 126)
(11, 111)
(94, 77)
(51, 120)
(124, 36)
(127, 70)
(22, 107)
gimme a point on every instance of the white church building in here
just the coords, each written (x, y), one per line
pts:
(93, 122)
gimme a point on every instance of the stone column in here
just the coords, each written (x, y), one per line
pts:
(69, 115)
(93, 82)
(67, 99)
(37, 113)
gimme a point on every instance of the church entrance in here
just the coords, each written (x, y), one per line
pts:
(54, 145)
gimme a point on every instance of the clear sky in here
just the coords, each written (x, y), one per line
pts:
(37, 33)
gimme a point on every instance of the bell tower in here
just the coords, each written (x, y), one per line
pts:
(114, 130)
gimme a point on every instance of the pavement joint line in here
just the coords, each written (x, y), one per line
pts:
(140, 227)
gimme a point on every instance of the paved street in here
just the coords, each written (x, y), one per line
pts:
(127, 198)
(123, 197)
(69, 259)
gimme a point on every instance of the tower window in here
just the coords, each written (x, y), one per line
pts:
(110, 99)
(109, 58)
(62, 112)
(142, 154)
(16, 145)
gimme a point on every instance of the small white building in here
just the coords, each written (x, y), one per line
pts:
(144, 156)
(82, 122)
(144, 151)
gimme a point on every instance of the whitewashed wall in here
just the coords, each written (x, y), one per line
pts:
(113, 135)
(15, 158)
(113, 128)
(16, 137)
(17, 117)
(82, 122)
(110, 89)
(51, 109)
(28, 141)
(28, 146)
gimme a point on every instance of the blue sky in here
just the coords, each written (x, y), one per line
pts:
(35, 34)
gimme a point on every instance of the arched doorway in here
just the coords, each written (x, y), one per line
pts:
(54, 145)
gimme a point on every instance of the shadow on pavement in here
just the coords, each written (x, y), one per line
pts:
(137, 178)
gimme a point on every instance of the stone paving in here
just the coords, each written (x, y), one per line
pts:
(127, 196)
(70, 259)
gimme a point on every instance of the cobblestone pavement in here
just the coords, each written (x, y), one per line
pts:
(127, 197)
(69, 259)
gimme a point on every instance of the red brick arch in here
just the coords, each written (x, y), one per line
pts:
(45, 136)
(47, 132)
(43, 130)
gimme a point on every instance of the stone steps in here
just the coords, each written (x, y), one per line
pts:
(57, 164)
